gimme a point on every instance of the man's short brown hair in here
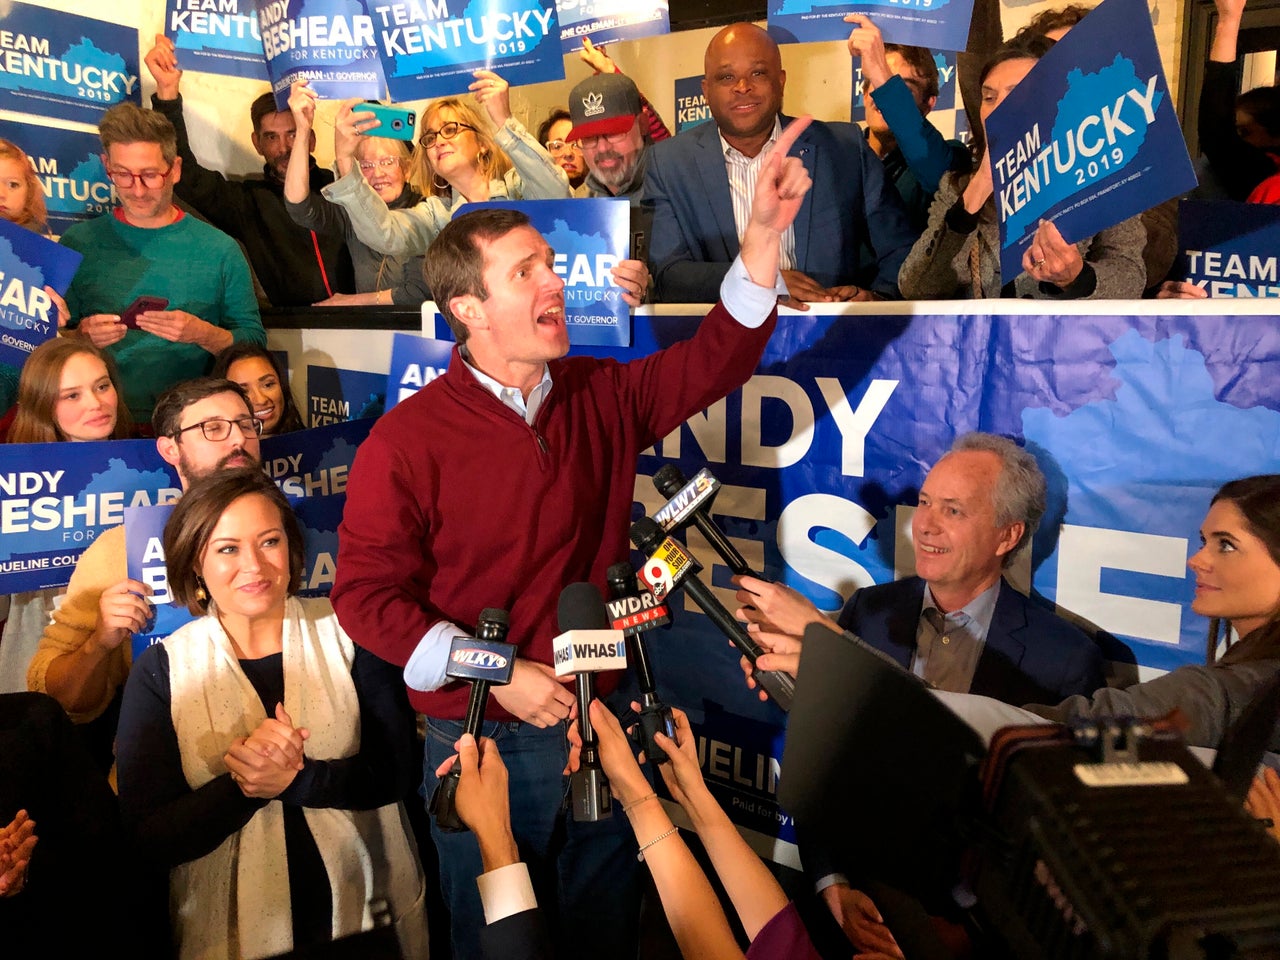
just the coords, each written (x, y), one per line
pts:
(129, 123)
(456, 259)
(261, 107)
(921, 61)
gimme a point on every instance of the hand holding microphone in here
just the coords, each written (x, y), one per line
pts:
(690, 502)
(635, 611)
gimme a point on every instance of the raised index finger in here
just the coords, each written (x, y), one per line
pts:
(790, 135)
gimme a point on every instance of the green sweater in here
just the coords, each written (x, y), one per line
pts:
(198, 268)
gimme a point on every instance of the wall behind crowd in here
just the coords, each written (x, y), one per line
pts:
(818, 76)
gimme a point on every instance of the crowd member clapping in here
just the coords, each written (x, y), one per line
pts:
(958, 256)
(69, 391)
(257, 371)
(261, 754)
(458, 161)
(384, 163)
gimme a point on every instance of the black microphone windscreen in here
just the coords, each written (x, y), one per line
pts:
(647, 533)
(669, 480)
(581, 608)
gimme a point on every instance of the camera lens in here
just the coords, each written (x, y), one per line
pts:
(397, 124)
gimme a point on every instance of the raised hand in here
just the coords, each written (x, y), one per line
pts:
(162, 62)
(494, 94)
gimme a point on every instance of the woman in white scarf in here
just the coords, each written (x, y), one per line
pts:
(261, 754)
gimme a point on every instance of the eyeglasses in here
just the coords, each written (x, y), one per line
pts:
(590, 143)
(219, 428)
(382, 163)
(447, 131)
(557, 147)
(151, 179)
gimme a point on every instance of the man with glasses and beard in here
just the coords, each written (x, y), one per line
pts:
(195, 276)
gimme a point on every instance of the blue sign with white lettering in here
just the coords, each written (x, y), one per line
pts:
(144, 562)
(589, 237)
(430, 48)
(217, 36)
(329, 43)
(937, 24)
(1230, 249)
(944, 60)
(335, 395)
(315, 462)
(29, 262)
(68, 164)
(55, 64)
(415, 362)
(691, 105)
(1089, 137)
(605, 21)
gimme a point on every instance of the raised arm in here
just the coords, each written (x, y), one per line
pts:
(780, 189)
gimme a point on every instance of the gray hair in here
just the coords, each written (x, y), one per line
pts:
(1019, 494)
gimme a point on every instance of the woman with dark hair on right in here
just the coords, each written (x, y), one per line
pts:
(257, 371)
(958, 255)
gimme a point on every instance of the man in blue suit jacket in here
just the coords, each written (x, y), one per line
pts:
(851, 234)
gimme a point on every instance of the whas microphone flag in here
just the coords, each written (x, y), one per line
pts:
(586, 645)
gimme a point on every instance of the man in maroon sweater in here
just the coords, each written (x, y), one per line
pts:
(502, 482)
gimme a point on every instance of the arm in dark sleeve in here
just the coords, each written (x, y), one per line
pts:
(321, 215)
(218, 200)
(383, 770)
(680, 276)
(169, 822)
(1239, 166)
(409, 288)
(886, 221)
(927, 152)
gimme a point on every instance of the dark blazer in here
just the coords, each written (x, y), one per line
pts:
(1031, 654)
(521, 936)
(851, 204)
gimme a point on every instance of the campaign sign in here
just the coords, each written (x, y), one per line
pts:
(217, 36)
(1230, 249)
(944, 60)
(937, 24)
(144, 561)
(61, 65)
(415, 362)
(68, 164)
(318, 518)
(315, 462)
(1089, 137)
(336, 395)
(589, 236)
(55, 498)
(605, 21)
(691, 105)
(430, 48)
(29, 262)
(327, 42)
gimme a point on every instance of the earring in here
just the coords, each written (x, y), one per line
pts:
(440, 184)
(201, 594)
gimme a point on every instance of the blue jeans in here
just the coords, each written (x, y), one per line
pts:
(585, 875)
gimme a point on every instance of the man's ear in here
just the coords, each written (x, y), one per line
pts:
(169, 450)
(928, 107)
(311, 142)
(257, 144)
(1010, 537)
(176, 173)
(469, 310)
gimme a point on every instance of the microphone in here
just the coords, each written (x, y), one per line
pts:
(587, 645)
(670, 567)
(635, 611)
(691, 502)
(482, 661)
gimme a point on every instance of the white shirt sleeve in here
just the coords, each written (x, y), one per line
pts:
(748, 302)
(505, 892)
(425, 670)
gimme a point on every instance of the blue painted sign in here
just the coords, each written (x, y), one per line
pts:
(29, 262)
(329, 43)
(145, 562)
(217, 36)
(1089, 137)
(589, 236)
(944, 60)
(68, 164)
(1230, 249)
(315, 462)
(55, 64)
(937, 24)
(691, 105)
(415, 362)
(605, 21)
(335, 395)
(430, 48)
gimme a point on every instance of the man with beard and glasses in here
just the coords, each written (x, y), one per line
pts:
(296, 266)
(202, 426)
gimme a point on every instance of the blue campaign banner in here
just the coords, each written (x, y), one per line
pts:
(605, 21)
(1230, 249)
(55, 498)
(327, 42)
(429, 48)
(217, 36)
(589, 236)
(691, 105)
(937, 24)
(55, 64)
(335, 395)
(415, 362)
(68, 164)
(29, 262)
(944, 60)
(1113, 146)
(315, 462)
(319, 517)
(145, 562)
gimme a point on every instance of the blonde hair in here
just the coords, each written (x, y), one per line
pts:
(491, 160)
(34, 215)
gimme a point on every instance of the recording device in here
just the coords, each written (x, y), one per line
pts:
(587, 645)
(669, 566)
(635, 611)
(690, 502)
(483, 661)
(143, 304)
(394, 122)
